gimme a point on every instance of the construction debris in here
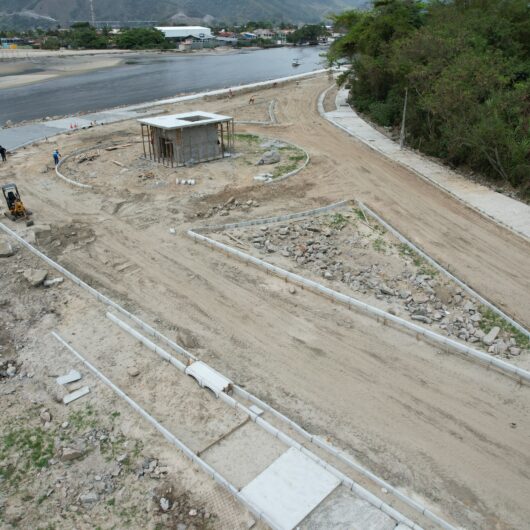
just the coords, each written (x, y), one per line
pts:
(52, 282)
(76, 395)
(70, 377)
(147, 175)
(87, 157)
(114, 147)
(118, 163)
(35, 277)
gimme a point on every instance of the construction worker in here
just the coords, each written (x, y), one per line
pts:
(3, 153)
(56, 156)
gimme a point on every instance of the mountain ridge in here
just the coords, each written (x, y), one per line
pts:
(64, 12)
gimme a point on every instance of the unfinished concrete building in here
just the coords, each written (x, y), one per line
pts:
(184, 139)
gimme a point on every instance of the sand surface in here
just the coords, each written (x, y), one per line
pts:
(447, 431)
(15, 74)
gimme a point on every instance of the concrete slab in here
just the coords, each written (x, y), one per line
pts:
(506, 211)
(289, 489)
(244, 454)
(70, 377)
(343, 510)
(26, 134)
(76, 395)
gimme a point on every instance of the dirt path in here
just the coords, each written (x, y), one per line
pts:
(443, 429)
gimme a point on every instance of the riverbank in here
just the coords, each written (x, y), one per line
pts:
(138, 78)
(26, 67)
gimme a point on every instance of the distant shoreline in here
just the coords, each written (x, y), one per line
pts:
(35, 66)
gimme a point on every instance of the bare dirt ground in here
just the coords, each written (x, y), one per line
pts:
(352, 253)
(446, 431)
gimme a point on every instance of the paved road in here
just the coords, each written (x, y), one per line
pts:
(145, 78)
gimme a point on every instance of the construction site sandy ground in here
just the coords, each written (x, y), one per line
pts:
(445, 430)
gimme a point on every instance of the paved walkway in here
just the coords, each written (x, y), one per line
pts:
(16, 137)
(509, 212)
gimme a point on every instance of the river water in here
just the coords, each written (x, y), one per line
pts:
(148, 77)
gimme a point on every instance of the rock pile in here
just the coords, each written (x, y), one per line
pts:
(269, 157)
(9, 368)
(151, 468)
(231, 204)
(330, 251)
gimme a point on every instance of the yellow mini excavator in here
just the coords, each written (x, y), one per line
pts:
(15, 206)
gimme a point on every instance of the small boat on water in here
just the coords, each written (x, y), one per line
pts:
(296, 62)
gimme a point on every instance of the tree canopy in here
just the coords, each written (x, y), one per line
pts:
(143, 38)
(308, 34)
(466, 65)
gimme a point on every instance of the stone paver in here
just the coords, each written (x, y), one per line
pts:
(508, 212)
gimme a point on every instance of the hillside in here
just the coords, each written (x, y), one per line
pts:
(31, 13)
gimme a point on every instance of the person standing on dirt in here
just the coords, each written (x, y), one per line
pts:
(56, 156)
(3, 153)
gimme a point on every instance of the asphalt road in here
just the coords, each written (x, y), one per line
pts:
(145, 78)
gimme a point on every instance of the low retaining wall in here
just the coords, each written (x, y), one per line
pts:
(380, 315)
(154, 333)
(439, 267)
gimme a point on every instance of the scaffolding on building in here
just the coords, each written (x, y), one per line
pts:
(185, 139)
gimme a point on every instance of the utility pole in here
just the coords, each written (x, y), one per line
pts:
(402, 133)
(92, 13)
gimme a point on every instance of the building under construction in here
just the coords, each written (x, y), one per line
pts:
(190, 138)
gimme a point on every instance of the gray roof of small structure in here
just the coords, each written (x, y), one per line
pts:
(179, 121)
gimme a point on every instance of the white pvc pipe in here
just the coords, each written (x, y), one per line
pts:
(439, 267)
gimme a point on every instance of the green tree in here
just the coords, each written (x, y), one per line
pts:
(308, 34)
(143, 38)
(466, 65)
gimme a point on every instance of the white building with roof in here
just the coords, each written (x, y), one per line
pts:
(189, 138)
(181, 33)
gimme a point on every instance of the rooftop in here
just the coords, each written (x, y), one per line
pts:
(187, 119)
(199, 32)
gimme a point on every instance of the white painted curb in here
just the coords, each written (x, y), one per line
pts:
(439, 267)
(502, 366)
(170, 437)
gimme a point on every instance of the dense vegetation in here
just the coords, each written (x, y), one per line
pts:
(143, 39)
(466, 67)
(308, 34)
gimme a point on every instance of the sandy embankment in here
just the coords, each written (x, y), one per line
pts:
(25, 67)
(22, 73)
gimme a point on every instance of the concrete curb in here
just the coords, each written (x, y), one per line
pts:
(295, 171)
(79, 152)
(66, 179)
(350, 302)
(170, 437)
(439, 267)
(284, 438)
(426, 178)
(153, 332)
